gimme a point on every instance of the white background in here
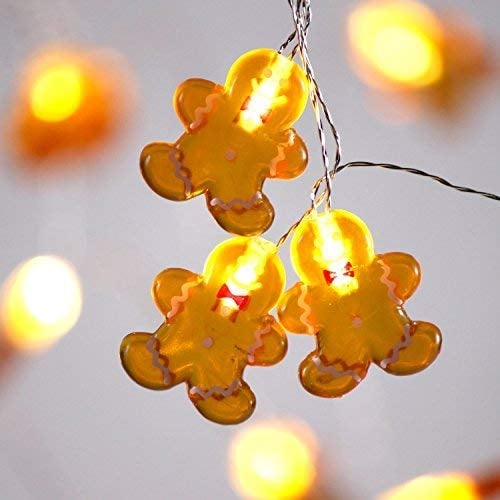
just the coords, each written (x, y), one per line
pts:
(72, 423)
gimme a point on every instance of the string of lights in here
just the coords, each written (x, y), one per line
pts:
(302, 14)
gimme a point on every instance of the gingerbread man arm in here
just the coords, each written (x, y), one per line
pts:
(194, 100)
(294, 310)
(291, 158)
(401, 273)
(171, 289)
(270, 344)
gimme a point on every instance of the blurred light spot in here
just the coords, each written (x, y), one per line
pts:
(451, 486)
(57, 93)
(399, 41)
(273, 460)
(41, 302)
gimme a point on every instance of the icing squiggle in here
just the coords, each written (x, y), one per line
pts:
(258, 342)
(201, 112)
(151, 347)
(178, 300)
(281, 154)
(178, 166)
(216, 389)
(398, 347)
(391, 285)
(237, 201)
(332, 371)
(304, 317)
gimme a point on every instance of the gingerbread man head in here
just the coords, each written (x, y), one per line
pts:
(215, 325)
(236, 136)
(352, 300)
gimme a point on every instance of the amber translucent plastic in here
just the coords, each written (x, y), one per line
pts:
(215, 325)
(237, 135)
(352, 300)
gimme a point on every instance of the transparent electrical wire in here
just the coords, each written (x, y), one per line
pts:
(301, 13)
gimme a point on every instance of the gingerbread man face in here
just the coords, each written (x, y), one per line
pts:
(352, 300)
(237, 135)
(215, 325)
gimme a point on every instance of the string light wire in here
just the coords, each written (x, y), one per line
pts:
(301, 13)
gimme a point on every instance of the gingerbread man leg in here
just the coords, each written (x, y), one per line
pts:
(418, 347)
(270, 344)
(221, 395)
(154, 361)
(247, 215)
(333, 372)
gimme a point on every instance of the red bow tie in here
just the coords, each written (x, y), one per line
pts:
(331, 275)
(240, 300)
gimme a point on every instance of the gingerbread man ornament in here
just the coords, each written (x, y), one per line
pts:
(215, 325)
(236, 136)
(352, 300)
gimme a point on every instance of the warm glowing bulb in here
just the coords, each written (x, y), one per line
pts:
(400, 40)
(276, 460)
(452, 486)
(333, 252)
(57, 93)
(244, 275)
(41, 302)
(265, 94)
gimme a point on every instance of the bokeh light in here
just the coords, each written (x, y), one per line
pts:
(41, 302)
(396, 43)
(273, 460)
(450, 486)
(57, 93)
(68, 100)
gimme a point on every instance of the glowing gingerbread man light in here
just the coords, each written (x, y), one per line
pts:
(215, 325)
(352, 301)
(237, 135)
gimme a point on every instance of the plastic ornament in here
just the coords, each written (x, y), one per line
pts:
(237, 135)
(41, 301)
(274, 459)
(416, 56)
(352, 300)
(68, 101)
(215, 325)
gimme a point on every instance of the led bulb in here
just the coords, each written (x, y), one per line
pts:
(266, 94)
(243, 277)
(41, 302)
(274, 460)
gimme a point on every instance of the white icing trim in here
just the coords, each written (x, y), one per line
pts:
(237, 201)
(281, 153)
(304, 317)
(332, 371)
(391, 285)
(202, 111)
(258, 342)
(398, 347)
(151, 347)
(216, 389)
(188, 186)
(178, 300)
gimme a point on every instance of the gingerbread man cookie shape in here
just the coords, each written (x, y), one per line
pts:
(352, 300)
(215, 325)
(237, 135)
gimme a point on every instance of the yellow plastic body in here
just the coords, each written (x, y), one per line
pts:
(215, 325)
(237, 135)
(352, 300)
